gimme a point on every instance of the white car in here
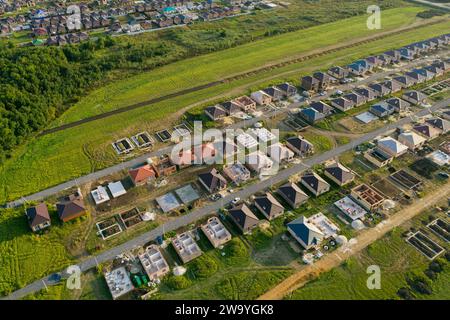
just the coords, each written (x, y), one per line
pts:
(236, 200)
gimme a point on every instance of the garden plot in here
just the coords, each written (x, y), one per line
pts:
(437, 87)
(425, 245)
(131, 217)
(405, 180)
(296, 123)
(440, 228)
(164, 135)
(388, 189)
(123, 146)
(109, 228)
(425, 167)
(143, 140)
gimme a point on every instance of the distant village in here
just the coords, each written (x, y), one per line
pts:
(54, 24)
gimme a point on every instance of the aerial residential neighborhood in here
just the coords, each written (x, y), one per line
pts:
(224, 150)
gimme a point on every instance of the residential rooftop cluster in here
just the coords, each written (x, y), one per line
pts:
(53, 24)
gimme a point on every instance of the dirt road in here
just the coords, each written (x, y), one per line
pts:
(334, 259)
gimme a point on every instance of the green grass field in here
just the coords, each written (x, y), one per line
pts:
(58, 157)
(395, 258)
(25, 256)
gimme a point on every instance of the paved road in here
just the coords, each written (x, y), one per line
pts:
(242, 124)
(200, 213)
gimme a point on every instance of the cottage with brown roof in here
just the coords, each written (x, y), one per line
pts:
(244, 218)
(71, 207)
(38, 217)
(269, 206)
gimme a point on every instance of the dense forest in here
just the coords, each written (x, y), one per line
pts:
(39, 83)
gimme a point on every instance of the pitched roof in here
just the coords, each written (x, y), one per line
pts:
(71, 208)
(439, 123)
(427, 130)
(212, 178)
(411, 138)
(307, 232)
(398, 103)
(38, 215)
(269, 204)
(293, 192)
(415, 95)
(392, 144)
(311, 114)
(243, 216)
(314, 181)
(216, 111)
(339, 172)
(321, 107)
(300, 144)
(142, 173)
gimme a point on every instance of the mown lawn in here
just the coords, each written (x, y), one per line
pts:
(58, 157)
(26, 257)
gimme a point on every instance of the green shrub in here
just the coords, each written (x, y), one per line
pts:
(178, 282)
(204, 266)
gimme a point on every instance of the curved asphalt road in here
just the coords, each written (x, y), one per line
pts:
(200, 213)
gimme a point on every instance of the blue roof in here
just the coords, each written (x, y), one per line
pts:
(302, 231)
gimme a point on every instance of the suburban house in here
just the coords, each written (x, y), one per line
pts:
(324, 79)
(293, 195)
(309, 83)
(392, 85)
(311, 115)
(380, 89)
(427, 130)
(261, 98)
(382, 109)
(406, 54)
(71, 207)
(417, 77)
(405, 81)
(244, 218)
(322, 107)
(269, 206)
(259, 162)
(213, 181)
(163, 166)
(38, 217)
(142, 175)
(315, 183)
(414, 97)
(394, 55)
(287, 89)
(359, 67)
(339, 174)
(307, 234)
(392, 146)
(338, 72)
(412, 140)
(428, 74)
(357, 99)
(366, 92)
(215, 112)
(367, 197)
(275, 93)
(245, 103)
(435, 69)
(441, 124)
(215, 231)
(300, 146)
(378, 157)
(398, 104)
(237, 173)
(231, 108)
(375, 61)
(154, 263)
(279, 153)
(342, 104)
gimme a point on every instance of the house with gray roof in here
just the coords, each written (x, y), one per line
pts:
(300, 146)
(215, 112)
(441, 124)
(342, 104)
(322, 107)
(307, 234)
(398, 104)
(212, 180)
(292, 194)
(244, 218)
(357, 99)
(339, 174)
(269, 206)
(315, 183)
(415, 97)
(366, 92)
